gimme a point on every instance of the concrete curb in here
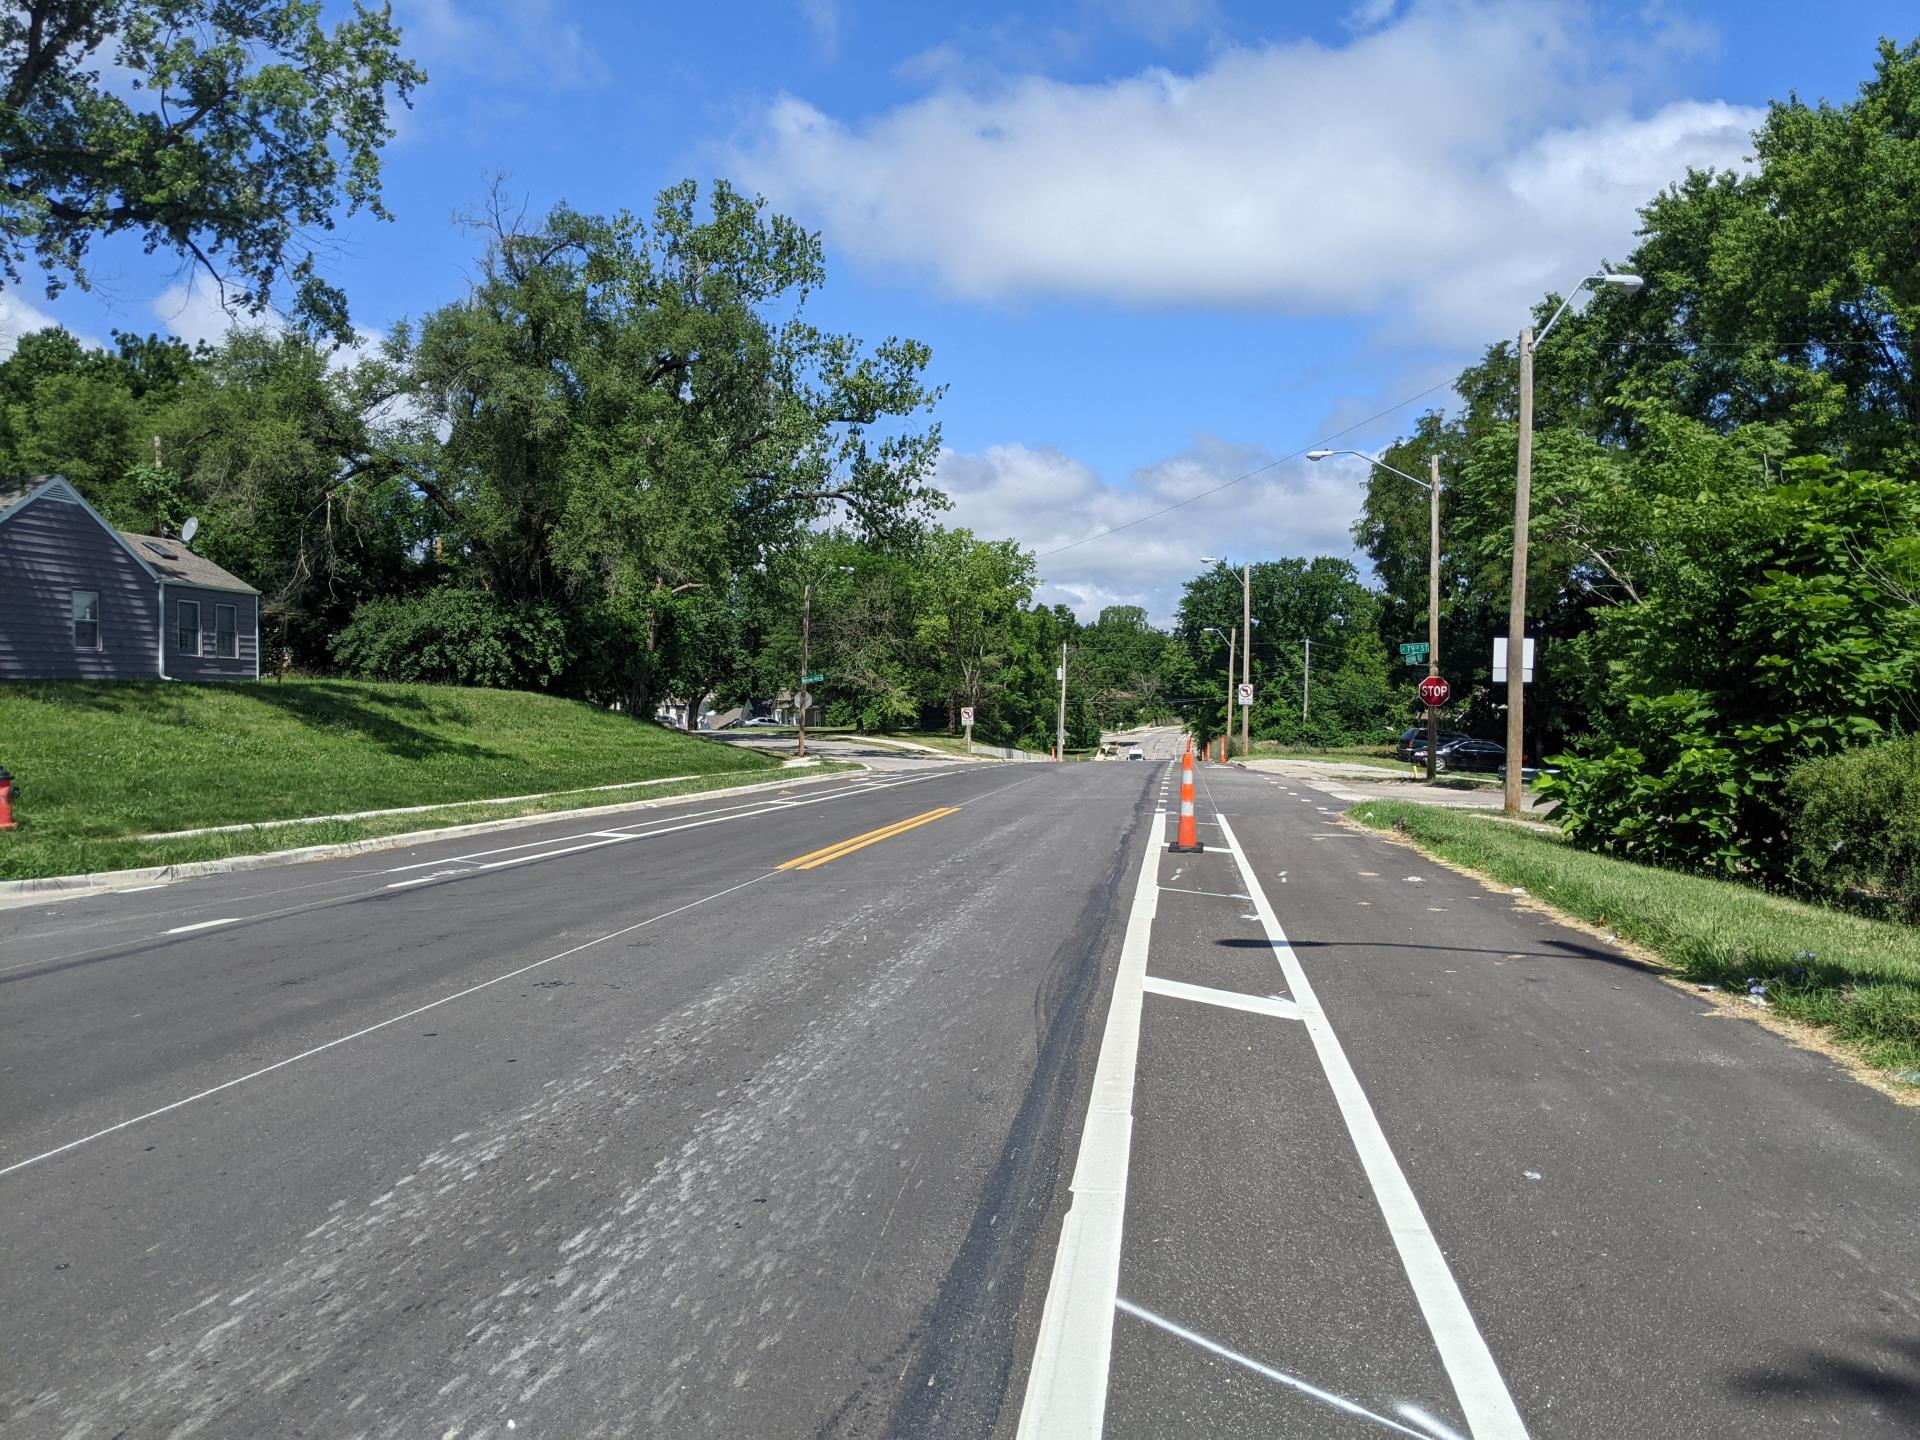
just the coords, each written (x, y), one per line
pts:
(17, 893)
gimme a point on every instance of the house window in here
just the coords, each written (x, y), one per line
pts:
(186, 627)
(226, 633)
(86, 619)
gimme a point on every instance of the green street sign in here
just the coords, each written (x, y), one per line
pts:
(812, 678)
(1414, 649)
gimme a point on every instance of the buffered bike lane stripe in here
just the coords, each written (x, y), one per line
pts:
(1470, 1366)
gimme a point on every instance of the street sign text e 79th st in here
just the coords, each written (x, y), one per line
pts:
(1414, 652)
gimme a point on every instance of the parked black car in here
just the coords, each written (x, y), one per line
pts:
(1467, 753)
(1413, 741)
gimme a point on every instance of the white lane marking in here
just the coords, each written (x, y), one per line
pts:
(1293, 1382)
(1226, 999)
(1215, 894)
(1066, 1395)
(135, 889)
(1483, 1395)
(382, 1024)
(203, 925)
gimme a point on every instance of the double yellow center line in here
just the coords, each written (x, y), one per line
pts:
(816, 858)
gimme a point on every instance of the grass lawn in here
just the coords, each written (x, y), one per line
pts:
(100, 764)
(1856, 978)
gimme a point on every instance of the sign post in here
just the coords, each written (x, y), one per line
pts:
(966, 720)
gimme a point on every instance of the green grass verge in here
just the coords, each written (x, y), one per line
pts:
(1858, 979)
(100, 764)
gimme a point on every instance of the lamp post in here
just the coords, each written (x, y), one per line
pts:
(1228, 636)
(1522, 513)
(1433, 579)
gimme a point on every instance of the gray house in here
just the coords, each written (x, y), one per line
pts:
(80, 600)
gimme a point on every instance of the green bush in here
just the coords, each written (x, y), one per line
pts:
(451, 636)
(1855, 822)
(1686, 802)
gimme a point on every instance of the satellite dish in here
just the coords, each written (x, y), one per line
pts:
(190, 529)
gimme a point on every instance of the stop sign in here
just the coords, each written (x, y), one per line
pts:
(1435, 691)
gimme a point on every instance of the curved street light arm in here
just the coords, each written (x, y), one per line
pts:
(1373, 460)
(1616, 278)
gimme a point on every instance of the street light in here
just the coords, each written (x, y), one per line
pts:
(1433, 581)
(1522, 513)
(1246, 653)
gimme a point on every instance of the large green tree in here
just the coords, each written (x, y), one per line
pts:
(624, 411)
(231, 132)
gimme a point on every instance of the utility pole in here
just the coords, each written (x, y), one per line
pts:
(1060, 730)
(1306, 676)
(1246, 653)
(1232, 635)
(806, 637)
(1433, 610)
(1517, 605)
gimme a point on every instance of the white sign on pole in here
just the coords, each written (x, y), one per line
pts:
(966, 716)
(1246, 694)
(1500, 661)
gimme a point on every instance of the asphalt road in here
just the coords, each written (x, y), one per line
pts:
(646, 1129)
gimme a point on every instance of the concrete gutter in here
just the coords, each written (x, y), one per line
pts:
(17, 893)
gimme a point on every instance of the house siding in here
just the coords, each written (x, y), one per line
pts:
(49, 548)
(207, 665)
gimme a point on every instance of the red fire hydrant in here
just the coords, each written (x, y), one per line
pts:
(8, 790)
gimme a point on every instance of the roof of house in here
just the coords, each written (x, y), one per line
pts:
(161, 558)
(174, 561)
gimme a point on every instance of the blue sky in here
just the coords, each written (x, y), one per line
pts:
(1153, 245)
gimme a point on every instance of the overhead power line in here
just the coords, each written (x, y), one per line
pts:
(1257, 470)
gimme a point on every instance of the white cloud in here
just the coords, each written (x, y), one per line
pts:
(1445, 169)
(1160, 21)
(1366, 14)
(823, 18)
(1046, 500)
(192, 311)
(19, 317)
(501, 41)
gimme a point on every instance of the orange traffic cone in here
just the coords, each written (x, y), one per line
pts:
(1188, 842)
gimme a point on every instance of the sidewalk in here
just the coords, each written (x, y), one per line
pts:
(1348, 781)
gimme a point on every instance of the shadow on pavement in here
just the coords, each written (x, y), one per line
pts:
(1880, 1371)
(1556, 950)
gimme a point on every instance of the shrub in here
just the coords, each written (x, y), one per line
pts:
(1855, 823)
(451, 636)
